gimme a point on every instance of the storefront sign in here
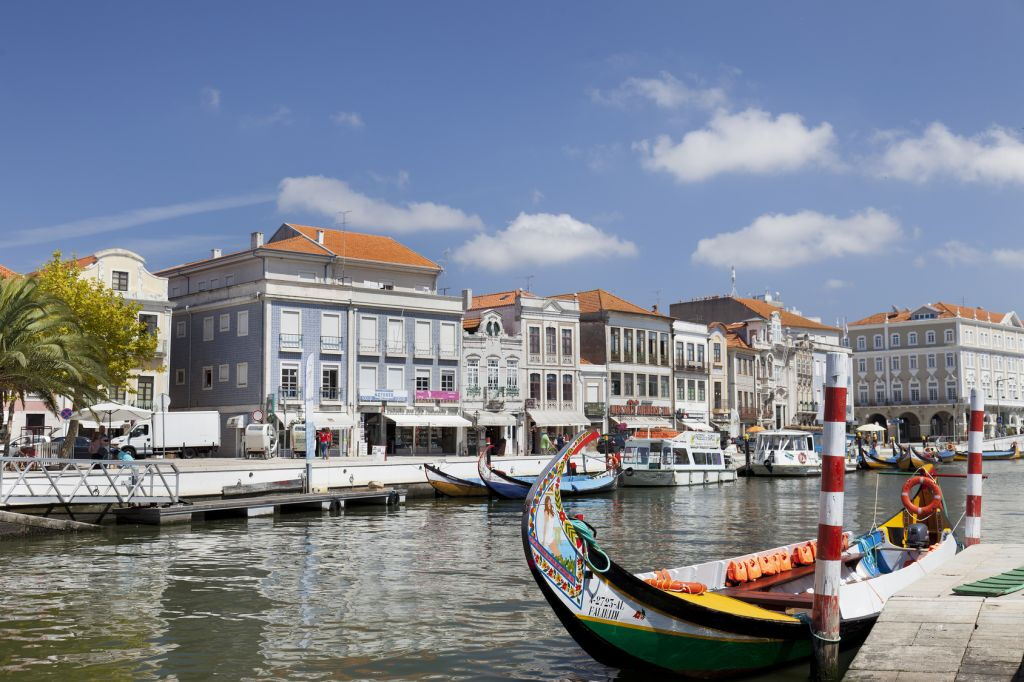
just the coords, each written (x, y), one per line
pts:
(437, 395)
(383, 394)
(633, 408)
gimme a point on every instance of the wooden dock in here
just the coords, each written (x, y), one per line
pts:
(926, 632)
(266, 505)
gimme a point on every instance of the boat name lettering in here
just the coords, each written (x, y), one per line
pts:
(607, 608)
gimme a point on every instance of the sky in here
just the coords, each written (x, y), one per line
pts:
(850, 157)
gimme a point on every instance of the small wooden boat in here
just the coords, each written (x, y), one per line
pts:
(929, 455)
(508, 487)
(869, 459)
(453, 486)
(995, 455)
(702, 620)
(910, 462)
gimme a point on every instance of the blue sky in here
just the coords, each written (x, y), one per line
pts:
(850, 157)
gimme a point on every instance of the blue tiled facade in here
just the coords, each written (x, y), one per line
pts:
(285, 350)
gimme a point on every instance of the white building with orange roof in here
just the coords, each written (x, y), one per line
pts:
(914, 369)
(385, 345)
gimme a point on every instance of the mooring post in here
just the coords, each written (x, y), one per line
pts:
(825, 608)
(972, 524)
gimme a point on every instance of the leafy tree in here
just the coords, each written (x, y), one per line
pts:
(105, 319)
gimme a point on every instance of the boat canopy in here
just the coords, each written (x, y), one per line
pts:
(558, 418)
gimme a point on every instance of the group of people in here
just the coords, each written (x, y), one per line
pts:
(549, 445)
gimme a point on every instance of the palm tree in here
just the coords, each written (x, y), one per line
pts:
(41, 351)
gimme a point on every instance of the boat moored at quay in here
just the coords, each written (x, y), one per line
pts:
(687, 458)
(784, 453)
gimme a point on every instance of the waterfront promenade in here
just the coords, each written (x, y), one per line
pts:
(928, 633)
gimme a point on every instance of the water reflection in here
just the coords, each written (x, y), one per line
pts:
(437, 589)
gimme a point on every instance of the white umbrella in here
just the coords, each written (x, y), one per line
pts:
(871, 427)
(112, 411)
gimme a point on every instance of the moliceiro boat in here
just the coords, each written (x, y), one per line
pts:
(453, 486)
(720, 618)
(508, 487)
(991, 455)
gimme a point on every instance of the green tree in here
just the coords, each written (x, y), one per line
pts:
(103, 318)
(42, 350)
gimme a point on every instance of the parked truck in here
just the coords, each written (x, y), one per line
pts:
(188, 434)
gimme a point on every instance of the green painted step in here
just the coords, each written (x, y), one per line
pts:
(994, 586)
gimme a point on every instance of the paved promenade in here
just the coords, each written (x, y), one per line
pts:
(927, 633)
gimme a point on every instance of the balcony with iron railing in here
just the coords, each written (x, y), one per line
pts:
(748, 413)
(369, 347)
(448, 352)
(474, 392)
(289, 393)
(395, 347)
(330, 393)
(290, 341)
(691, 366)
(144, 403)
(331, 344)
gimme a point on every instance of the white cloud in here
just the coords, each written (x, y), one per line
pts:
(347, 119)
(665, 91)
(539, 239)
(280, 116)
(211, 99)
(750, 141)
(775, 241)
(995, 156)
(598, 157)
(958, 253)
(836, 284)
(120, 221)
(330, 196)
(400, 180)
(536, 196)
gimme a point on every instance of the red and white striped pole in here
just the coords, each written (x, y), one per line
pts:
(972, 525)
(827, 569)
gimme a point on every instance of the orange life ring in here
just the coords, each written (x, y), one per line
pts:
(926, 482)
(950, 447)
(802, 457)
(664, 581)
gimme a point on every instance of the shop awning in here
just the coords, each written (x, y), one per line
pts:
(428, 420)
(484, 418)
(696, 425)
(330, 420)
(635, 422)
(558, 418)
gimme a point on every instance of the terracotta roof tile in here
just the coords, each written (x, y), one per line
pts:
(86, 261)
(788, 319)
(943, 311)
(471, 324)
(352, 245)
(596, 300)
(734, 340)
(7, 272)
(496, 300)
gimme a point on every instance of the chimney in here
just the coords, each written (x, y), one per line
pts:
(256, 240)
(214, 253)
(467, 299)
(654, 308)
(319, 236)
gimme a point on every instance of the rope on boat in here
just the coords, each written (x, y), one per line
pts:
(805, 618)
(589, 537)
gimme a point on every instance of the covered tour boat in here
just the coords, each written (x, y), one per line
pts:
(784, 453)
(719, 618)
(686, 458)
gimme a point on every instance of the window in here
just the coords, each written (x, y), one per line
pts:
(535, 385)
(627, 346)
(878, 340)
(862, 365)
(717, 352)
(951, 391)
(691, 390)
(664, 387)
(368, 334)
(641, 342)
(663, 348)
(119, 280)
(330, 332)
(879, 393)
(717, 404)
(897, 392)
(242, 323)
(447, 339)
(700, 354)
(627, 384)
(933, 391)
(202, 285)
(689, 354)
(551, 386)
(862, 343)
(652, 348)
(912, 338)
(915, 393)
(179, 329)
(512, 373)
(422, 379)
(947, 336)
(179, 377)
(550, 346)
(422, 340)
(291, 329)
(534, 346)
(616, 383)
(929, 338)
(492, 373)
(223, 373)
(567, 343)
(447, 379)
(641, 385)
(931, 361)
(680, 389)
(207, 378)
(144, 392)
(652, 386)
(242, 375)
(473, 373)
(396, 334)
(289, 381)
(912, 362)
(894, 340)
(215, 282)
(225, 322)
(396, 378)
(151, 322)
(229, 280)
(968, 359)
(367, 378)
(894, 363)
(878, 365)
(862, 394)
(208, 328)
(614, 344)
(567, 388)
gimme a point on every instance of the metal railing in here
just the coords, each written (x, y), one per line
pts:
(330, 344)
(330, 393)
(369, 347)
(447, 352)
(52, 481)
(290, 340)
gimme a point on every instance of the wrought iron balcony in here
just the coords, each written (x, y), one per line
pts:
(331, 344)
(447, 352)
(290, 341)
(473, 391)
(369, 347)
(289, 393)
(395, 347)
(330, 393)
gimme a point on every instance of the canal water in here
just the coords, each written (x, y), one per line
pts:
(436, 590)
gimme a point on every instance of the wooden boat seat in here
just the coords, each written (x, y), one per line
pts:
(769, 581)
(756, 591)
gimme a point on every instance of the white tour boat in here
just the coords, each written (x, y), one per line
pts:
(784, 453)
(688, 458)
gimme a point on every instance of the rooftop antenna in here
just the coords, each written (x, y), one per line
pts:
(733, 294)
(443, 262)
(657, 298)
(529, 281)
(342, 224)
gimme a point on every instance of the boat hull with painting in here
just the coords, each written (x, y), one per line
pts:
(784, 453)
(506, 487)
(453, 486)
(687, 458)
(702, 620)
(994, 455)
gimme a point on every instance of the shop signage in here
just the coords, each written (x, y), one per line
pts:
(383, 395)
(437, 395)
(635, 409)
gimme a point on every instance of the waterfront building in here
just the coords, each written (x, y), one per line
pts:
(492, 361)
(691, 372)
(595, 394)
(718, 378)
(634, 344)
(385, 344)
(550, 369)
(914, 369)
(786, 346)
(125, 273)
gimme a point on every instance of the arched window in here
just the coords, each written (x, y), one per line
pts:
(897, 391)
(535, 385)
(492, 373)
(512, 373)
(472, 373)
(551, 392)
(567, 387)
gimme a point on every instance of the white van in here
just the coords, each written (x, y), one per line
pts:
(187, 434)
